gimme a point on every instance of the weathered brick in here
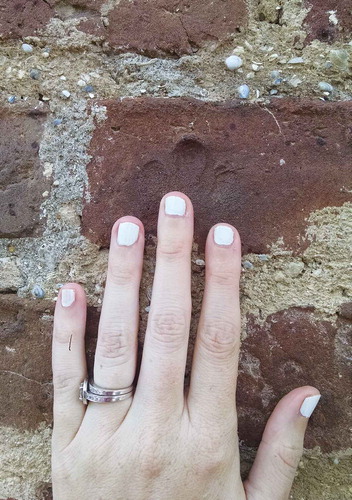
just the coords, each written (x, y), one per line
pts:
(346, 310)
(170, 27)
(23, 18)
(227, 158)
(293, 348)
(154, 28)
(25, 361)
(21, 176)
(318, 24)
(20, 18)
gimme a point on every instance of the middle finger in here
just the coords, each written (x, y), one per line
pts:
(161, 377)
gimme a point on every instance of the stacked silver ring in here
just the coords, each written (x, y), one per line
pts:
(89, 391)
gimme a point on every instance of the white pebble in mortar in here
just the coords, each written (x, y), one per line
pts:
(233, 62)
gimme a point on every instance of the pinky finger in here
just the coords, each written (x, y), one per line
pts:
(274, 468)
(68, 363)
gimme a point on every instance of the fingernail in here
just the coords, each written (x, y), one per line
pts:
(174, 205)
(67, 297)
(223, 235)
(127, 234)
(309, 404)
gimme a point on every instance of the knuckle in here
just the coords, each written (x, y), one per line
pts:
(63, 381)
(151, 462)
(121, 274)
(63, 336)
(213, 449)
(171, 248)
(220, 337)
(169, 327)
(115, 343)
(226, 277)
(289, 456)
(212, 463)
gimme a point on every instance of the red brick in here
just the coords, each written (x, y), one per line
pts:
(20, 18)
(25, 360)
(25, 339)
(346, 310)
(21, 176)
(226, 157)
(152, 28)
(293, 348)
(170, 27)
(317, 20)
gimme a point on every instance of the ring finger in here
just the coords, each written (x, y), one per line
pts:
(116, 351)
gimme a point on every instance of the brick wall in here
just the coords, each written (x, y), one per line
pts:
(113, 104)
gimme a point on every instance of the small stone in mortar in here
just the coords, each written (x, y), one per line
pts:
(200, 262)
(296, 60)
(326, 87)
(38, 292)
(247, 264)
(27, 48)
(35, 74)
(243, 91)
(11, 99)
(277, 81)
(233, 62)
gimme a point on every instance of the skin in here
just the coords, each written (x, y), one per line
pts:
(162, 444)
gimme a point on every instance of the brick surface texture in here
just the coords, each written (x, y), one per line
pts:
(21, 175)
(233, 152)
(119, 102)
(319, 25)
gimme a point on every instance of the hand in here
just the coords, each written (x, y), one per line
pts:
(161, 444)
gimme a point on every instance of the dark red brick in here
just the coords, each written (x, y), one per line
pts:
(226, 157)
(317, 21)
(152, 28)
(20, 18)
(172, 27)
(21, 176)
(25, 360)
(293, 348)
(346, 310)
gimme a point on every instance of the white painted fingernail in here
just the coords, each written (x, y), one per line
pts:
(223, 235)
(67, 297)
(309, 404)
(127, 234)
(174, 205)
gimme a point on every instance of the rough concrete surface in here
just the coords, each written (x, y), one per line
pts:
(54, 101)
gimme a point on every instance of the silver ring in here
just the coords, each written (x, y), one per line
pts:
(108, 392)
(88, 391)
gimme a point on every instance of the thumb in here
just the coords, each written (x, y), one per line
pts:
(281, 448)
